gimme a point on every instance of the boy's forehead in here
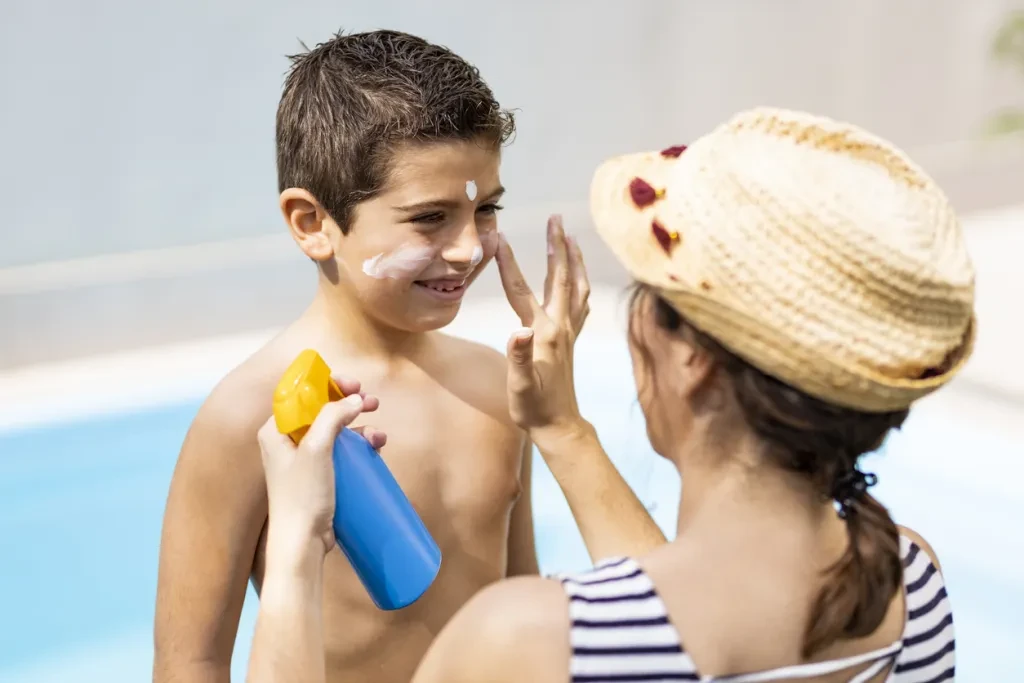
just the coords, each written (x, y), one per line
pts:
(436, 167)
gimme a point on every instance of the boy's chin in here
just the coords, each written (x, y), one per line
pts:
(428, 320)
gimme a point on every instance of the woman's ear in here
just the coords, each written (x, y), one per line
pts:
(695, 366)
(307, 221)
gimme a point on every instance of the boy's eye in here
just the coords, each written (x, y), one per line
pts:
(429, 218)
(439, 217)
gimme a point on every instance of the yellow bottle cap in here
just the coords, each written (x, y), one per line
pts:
(304, 389)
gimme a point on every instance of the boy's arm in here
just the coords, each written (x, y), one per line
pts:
(522, 546)
(215, 512)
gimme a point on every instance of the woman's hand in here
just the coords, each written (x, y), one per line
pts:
(542, 394)
(300, 479)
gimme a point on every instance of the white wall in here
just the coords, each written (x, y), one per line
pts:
(133, 125)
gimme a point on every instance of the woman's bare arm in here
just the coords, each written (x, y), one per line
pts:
(611, 519)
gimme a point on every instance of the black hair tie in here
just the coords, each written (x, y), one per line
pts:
(850, 488)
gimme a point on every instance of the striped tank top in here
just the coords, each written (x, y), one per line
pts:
(621, 631)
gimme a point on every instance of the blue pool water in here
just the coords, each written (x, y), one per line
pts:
(81, 506)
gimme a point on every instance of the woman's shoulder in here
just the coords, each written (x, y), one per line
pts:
(928, 641)
(910, 539)
(607, 568)
(513, 630)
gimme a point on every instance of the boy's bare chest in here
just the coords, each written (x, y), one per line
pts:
(449, 456)
(460, 468)
(449, 452)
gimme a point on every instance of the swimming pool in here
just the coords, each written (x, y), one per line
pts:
(83, 478)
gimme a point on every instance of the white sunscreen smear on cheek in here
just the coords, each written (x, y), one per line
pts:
(471, 190)
(403, 263)
(477, 257)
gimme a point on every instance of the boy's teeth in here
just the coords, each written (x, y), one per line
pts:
(443, 288)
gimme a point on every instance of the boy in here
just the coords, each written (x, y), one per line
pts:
(388, 151)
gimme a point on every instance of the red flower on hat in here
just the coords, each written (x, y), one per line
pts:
(643, 194)
(666, 239)
(673, 151)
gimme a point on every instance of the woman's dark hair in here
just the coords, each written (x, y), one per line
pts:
(822, 442)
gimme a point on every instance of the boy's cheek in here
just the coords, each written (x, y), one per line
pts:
(489, 243)
(489, 247)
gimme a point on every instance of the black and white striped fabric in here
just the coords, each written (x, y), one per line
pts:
(621, 631)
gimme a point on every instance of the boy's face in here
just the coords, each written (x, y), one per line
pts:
(412, 251)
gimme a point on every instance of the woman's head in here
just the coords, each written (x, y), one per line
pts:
(691, 388)
(789, 266)
(800, 282)
(688, 382)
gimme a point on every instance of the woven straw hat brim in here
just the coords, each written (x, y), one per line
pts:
(891, 363)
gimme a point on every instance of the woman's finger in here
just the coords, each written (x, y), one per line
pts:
(353, 386)
(347, 385)
(270, 438)
(518, 292)
(552, 260)
(273, 444)
(520, 359)
(376, 437)
(581, 282)
(332, 418)
(558, 303)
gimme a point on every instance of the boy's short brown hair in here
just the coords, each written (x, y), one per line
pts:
(350, 100)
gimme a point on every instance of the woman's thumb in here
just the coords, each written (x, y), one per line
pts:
(520, 348)
(332, 418)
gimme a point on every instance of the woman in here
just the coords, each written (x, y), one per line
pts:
(800, 283)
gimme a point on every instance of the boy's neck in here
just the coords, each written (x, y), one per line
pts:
(346, 322)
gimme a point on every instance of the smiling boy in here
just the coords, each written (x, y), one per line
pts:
(388, 154)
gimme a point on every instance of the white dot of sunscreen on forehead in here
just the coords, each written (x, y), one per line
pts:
(471, 190)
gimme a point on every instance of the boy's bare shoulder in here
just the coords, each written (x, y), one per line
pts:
(488, 364)
(480, 356)
(240, 403)
(482, 366)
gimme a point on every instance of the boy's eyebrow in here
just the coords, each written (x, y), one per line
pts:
(496, 194)
(445, 203)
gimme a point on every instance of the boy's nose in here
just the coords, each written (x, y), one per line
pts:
(466, 251)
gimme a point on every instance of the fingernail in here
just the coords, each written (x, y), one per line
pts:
(525, 334)
(354, 401)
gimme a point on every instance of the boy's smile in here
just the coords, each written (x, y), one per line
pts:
(443, 289)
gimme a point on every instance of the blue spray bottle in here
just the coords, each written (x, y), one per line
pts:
(376, 527)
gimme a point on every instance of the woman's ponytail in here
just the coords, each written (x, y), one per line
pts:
(861, 584)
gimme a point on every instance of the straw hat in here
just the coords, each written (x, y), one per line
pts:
(812, 249)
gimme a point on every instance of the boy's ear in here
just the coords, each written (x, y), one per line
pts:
(308, 223)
